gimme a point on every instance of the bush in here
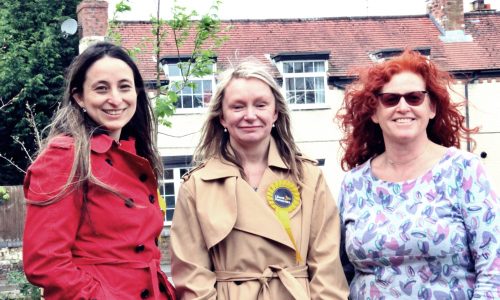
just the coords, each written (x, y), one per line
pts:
(16, 277)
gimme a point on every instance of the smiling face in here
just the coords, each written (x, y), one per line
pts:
(403, 122)
(109, 95)
(248, 112)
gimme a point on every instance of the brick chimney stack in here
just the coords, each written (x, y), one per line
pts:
(448, 13)
(93, 20)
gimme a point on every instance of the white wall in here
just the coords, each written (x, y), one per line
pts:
(484, 111)
(318, 135)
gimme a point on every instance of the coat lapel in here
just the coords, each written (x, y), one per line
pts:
(237, 204)
(255, 215)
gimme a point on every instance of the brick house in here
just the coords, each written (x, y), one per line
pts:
(313, 60)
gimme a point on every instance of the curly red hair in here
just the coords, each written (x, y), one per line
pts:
(363, 138)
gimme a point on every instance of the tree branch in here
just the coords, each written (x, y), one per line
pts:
(12, 163)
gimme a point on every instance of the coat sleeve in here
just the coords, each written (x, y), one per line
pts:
(327, 280)
(50, 230)
(480, 209)
(191, 265)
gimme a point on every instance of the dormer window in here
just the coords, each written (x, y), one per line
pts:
(388, 53)
(197, 91)
(304, 77)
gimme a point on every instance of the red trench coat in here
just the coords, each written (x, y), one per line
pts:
(110, 252)
(227, 243)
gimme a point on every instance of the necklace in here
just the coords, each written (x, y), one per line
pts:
(399, 163)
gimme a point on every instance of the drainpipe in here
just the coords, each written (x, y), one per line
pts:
(467, 117)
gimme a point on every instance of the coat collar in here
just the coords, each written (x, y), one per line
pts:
(217, 168)
(101, 143)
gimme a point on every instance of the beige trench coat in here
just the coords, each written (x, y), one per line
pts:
(227, 242)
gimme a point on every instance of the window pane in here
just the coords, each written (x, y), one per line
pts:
(173, 70)
(299, 83)
(287, 67)
(309, 83)
(298, 67)
(187, 90)
(170, 214)
(170, 200)
(198, 101)
(319, 66)
(309, 66)
(183, 172)
(290, 97)
(299, 99)
(169, 188)
(320, 96)
(187, 101)
(290, 85)
(168, 174)
(198, 86)
(310, 97)
(207, 86)
(178, 104)
(319, 83)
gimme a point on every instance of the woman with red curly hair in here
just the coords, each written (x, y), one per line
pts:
(418, 214)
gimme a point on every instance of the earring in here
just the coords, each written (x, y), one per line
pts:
(225, 129)
(84, 110)
(273, 125)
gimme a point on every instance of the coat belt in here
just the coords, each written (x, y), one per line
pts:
(287, 276)
(152, 266)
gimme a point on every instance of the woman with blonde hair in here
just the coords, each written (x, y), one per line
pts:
(254, 219)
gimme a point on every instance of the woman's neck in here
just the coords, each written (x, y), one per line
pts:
(253, 161)
(402, 156)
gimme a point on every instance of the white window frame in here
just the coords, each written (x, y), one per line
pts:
(177, 78)
(323, 74)
(176, 180)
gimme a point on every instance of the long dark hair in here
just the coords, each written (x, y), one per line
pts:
(70, 120)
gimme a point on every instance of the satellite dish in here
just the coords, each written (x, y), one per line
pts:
(69, 27)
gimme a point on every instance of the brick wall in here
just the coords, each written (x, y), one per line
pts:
(92, 18)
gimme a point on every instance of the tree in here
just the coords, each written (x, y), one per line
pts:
(204, 31)
(33, 58)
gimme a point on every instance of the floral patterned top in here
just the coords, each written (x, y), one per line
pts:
(434, 237)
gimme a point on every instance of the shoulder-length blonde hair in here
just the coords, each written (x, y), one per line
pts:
(214, 142)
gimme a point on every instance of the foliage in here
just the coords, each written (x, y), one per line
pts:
(4, 194)
(33, 56)
(17, 277)
(204, 31)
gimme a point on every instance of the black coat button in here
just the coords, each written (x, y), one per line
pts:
(129, 202)
(162, 288)
(145, 294)
(139, 248)
(108, 160)
(143, 177)
(152, 199)
(238, 282)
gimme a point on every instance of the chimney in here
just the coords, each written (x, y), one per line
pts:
(93, 20)
(448, 15)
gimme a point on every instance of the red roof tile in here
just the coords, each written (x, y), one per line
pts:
(349, 41)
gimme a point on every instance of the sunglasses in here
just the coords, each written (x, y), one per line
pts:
(412, 98)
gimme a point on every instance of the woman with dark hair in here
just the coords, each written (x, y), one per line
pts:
(93, 216)
(254, 219)
(418, 215)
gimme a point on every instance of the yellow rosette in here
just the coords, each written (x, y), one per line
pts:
(283, 197)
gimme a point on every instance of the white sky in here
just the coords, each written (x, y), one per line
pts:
(265, 9)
